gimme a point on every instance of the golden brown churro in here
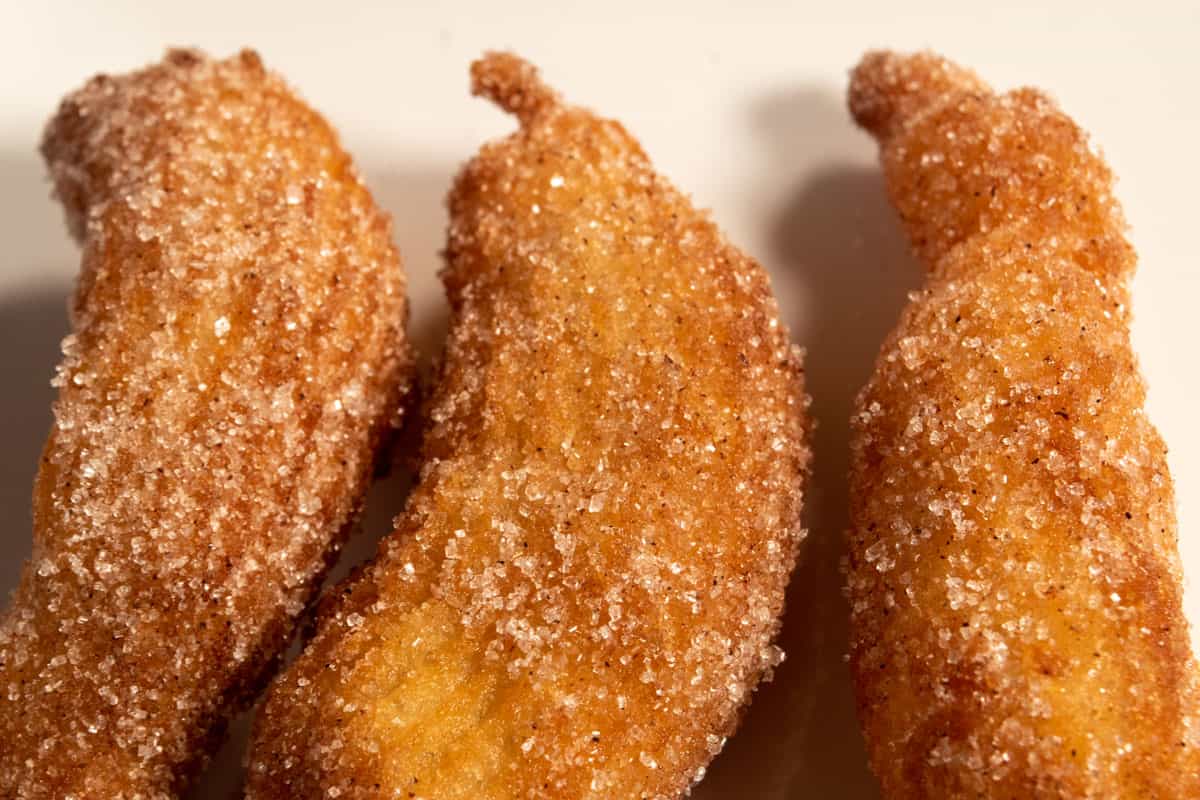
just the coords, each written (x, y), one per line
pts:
(238, 352)
(582, 592)
(1015, 581)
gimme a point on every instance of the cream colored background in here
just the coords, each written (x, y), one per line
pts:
(742, 106)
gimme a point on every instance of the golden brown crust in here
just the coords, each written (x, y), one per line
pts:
(1014, 576)
(583, 590)
(962, 161)
(238, 351)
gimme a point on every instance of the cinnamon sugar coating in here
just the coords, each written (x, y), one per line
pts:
(1014, 576)
(238, 353)
(583, 590)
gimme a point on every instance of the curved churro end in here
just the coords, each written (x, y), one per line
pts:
(962, 161)
(514, 84)
(81, 173)
(237, 356)
(1014, 577)
(887, 89)
(584, 587)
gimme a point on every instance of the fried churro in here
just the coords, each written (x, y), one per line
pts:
(238, 353)
(583, 590)
(1014, 578)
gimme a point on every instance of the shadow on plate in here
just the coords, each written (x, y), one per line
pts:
(33, 322)
(35, 282)
(837, 237)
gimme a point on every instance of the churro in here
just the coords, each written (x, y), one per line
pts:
(583, 590)
(1014, 578)
(238, 354)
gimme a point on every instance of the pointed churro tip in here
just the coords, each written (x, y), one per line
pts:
(185, 57)
(514, 84)
(887, 89)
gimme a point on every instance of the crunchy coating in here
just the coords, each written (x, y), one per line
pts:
(1014, 576)
(584, 587)
(238, 353)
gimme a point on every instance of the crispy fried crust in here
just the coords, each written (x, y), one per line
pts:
(238, 352)
(1014, 576)
(583, 590)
